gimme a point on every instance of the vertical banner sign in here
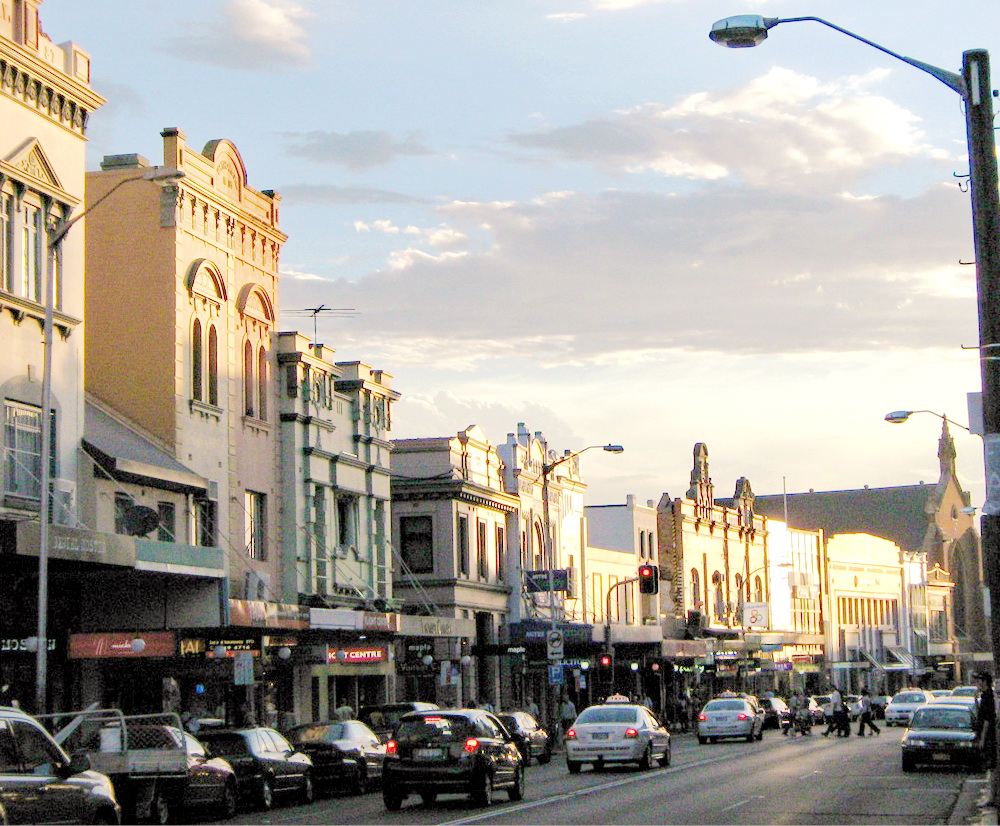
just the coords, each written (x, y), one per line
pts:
(243, 668)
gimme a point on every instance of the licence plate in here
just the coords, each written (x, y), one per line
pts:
(427, 754)
(938, 755)
(600, 735)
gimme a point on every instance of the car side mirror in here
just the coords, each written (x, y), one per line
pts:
(79, 762)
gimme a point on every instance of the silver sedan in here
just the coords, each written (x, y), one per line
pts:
(730, 717)
(617, 733)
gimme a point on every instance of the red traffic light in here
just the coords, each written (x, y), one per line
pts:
(649, 579)
(605, 660)
(645, 571)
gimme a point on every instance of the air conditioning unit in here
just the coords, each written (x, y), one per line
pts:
(64, 503)
(257, 585)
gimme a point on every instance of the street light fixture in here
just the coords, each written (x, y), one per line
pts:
(973, 85)
(55, 233)
(900, 416)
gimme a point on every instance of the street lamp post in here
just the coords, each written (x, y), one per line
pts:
(973, 85)
(900, 416)
(55, 233)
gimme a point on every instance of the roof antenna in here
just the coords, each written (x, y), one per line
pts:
(338, 312)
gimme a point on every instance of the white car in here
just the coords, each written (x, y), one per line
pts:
(730, 717)
(903, 704)
(616, 732)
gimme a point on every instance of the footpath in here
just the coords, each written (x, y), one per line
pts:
(974, 805)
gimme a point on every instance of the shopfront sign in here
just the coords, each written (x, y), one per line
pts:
(77, 545)
(21, 645)
(122, 645)
(254, 613)
(357, 655)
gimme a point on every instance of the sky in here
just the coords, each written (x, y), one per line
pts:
(585, 216)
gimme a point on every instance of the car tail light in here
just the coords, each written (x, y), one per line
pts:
(472, 745)
(631, 734)
(571, 734)
(702, 718)
(391, 747)
(742, 716)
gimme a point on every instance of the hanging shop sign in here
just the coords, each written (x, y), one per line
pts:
(255, 613)
(357, 655)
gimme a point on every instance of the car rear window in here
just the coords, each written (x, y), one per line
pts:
(909, 697)
(321, 733)
(607, 715)
(942, 718)
(438, 728)
(224, 743)
(725, 705)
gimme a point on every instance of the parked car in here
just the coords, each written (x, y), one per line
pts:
(776, 712)
(531, 738)
(941, 734)
(266, 764)
(39, 783)
(825, 704)
(730, 717)
(940, 692)
(965, 691)
(903, 704)
(968, 702)
(211, 781)
(879, 703)
(346, 756)
(464, 751)
(617, 732)
(382, 718)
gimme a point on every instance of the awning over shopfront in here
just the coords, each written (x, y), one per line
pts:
(905, 659)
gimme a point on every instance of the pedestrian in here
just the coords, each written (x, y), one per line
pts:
(988, 719)
(646, 701)
(795, 707)
(835, 718)
(532, 707)
(485, 705)
(344, 712)
(866, 715)
(567, 714)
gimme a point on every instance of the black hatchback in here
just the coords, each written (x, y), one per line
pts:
(454, 751)
(531, 738)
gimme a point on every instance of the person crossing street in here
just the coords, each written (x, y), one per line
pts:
(866, 715)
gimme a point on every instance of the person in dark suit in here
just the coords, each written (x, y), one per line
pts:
(988, 719)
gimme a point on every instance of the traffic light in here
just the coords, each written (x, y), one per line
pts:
(606, 661)
(649, 579)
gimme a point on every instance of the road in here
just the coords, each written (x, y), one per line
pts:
(801, 780)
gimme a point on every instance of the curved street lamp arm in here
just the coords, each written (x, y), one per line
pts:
(952, 80)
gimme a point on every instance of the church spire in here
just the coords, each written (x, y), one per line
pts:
(946, 451)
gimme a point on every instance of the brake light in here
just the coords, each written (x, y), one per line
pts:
(702, 718)
(631, 734)
(391, 747)
(571, 734)
(433, 719)
(472, 745)
(742, 716)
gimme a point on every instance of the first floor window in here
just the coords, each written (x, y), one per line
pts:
(255, 524)
(482, 565)
(204, 515)
(501, 550)
(416, 543)
(167, 529)
(123, 509)
(23, 450)
(463, 544)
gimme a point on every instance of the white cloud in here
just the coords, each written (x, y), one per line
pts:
(259, 35)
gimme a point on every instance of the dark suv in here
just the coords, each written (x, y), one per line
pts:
(464, 751)
(40, 784)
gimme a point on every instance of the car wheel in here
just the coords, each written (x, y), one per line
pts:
(429, 798)
(265, 798)
(750, 736)
(646, 762)
(227, 807)
(526, 756)
(358, 781)
(665, 760)
(392, 800)
(159, 808)
(760, 735)
(516, 792)
(308, 790)
(573, 766)
(545, 757)
(702, 740)
(483, 795)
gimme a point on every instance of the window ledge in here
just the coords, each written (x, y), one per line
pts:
(21, 308)
(257, 425)
(205, 410)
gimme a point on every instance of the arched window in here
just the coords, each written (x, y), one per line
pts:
(719, 597)
(739, 586)
(249, 387)
(262, 384)
(695, 589)
(197, 361)
(213, 366)
(758, 589)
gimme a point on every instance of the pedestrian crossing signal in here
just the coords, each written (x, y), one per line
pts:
(649, 579)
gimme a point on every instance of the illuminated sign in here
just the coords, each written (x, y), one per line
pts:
(354, 656)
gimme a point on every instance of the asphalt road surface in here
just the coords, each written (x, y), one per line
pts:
(800, 780)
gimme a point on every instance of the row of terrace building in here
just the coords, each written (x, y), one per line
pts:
(231, 530)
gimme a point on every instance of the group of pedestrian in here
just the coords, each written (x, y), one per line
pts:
(839, 719)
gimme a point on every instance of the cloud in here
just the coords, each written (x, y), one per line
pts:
(260, 35)
(355, 150)
(331, 194)
(783, 130)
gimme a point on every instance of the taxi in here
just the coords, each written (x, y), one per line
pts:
(616, 731)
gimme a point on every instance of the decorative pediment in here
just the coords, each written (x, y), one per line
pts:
(33, 165)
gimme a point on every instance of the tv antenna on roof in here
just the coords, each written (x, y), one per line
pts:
(314, 312)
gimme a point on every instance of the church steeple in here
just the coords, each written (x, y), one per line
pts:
(946, 452)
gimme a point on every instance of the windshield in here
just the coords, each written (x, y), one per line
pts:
(435, 728)
(322, 733)
(606, 714)
(941, 718)
(225, 743)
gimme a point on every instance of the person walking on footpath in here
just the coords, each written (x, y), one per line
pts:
(866, 715)
(988, 719)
